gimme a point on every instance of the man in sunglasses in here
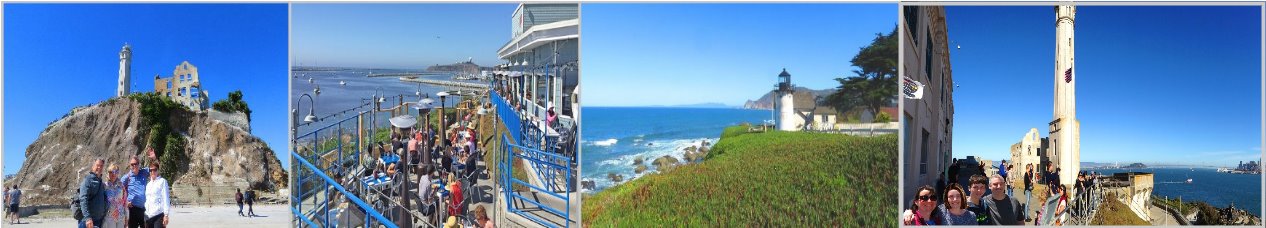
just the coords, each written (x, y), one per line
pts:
(135, 181)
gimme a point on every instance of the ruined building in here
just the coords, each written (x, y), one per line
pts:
(183, 87)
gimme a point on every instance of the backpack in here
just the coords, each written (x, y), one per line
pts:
(74, 207)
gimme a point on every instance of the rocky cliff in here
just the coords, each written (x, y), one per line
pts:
(220, 154)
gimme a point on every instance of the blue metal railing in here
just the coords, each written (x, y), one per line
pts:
(312, 181)
(508, 115)
(531, 145)
(543, 162)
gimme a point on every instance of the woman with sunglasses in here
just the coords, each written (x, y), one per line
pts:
(924, 210)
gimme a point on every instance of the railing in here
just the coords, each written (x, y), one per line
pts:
(547, 165)
(1086, 205)
(312, 184)
(530, 144)
(1182, 220)
(1079, 210)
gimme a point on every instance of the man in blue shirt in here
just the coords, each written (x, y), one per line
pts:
(136, 179)
(1002, 172)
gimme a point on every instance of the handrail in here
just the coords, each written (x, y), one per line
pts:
(324, 182)
(369, 210)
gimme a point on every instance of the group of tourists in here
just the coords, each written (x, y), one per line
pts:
(139, 198)
(988, 199)
(972, 207)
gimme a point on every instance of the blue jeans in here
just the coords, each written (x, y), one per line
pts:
(1028, 198)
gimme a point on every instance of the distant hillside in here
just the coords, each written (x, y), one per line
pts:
(457, 67)
(803, 96)
(699, 105)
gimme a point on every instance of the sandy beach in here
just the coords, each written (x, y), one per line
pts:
(276, 215)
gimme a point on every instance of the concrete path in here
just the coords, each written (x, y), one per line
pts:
(1162, 218)
(277, 215)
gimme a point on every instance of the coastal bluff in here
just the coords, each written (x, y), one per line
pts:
(219, 153)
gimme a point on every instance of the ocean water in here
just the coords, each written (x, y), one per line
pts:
(612, 137)
(1208, 185)
(335, 98)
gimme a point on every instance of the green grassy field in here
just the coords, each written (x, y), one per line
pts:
(763, 179)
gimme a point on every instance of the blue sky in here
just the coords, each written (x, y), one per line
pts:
(1152, 87)
(399, 36)
(679, 54)
(69, 52)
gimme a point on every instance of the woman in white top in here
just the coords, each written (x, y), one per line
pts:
(157, 198)
(116, 200)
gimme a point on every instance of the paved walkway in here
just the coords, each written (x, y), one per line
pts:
(277, 215)
(1162, 218)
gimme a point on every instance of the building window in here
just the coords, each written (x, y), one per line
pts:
(923, 156)
(909, 137)
(927, 55)
(912, 20)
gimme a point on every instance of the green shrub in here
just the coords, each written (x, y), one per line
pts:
(174, 159)
(233, 104)
(883, 117)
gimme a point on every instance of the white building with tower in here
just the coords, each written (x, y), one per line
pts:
(125, 71)
(786, 118)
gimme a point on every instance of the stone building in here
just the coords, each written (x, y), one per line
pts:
(183, 86)
(1134, 189)
(929, 120)
(1030, 150)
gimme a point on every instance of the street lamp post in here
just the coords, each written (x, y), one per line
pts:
(443, 127)
(311, 117)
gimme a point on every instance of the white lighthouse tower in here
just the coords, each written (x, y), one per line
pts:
(787, 119)
(1065, 129)
(125, 70)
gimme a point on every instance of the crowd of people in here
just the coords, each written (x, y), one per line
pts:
(950, 204)
(443, 164)
(139, 198)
